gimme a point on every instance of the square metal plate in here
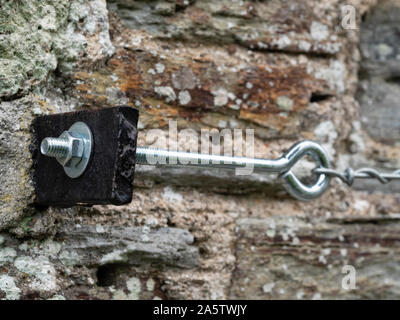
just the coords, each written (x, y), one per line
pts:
(108, 178)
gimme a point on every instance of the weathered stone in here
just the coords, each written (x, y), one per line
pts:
(36, 38)
(138, 246)
(95, 256)
(217, 180)
(376, 143)
(41, 269)
(303, 258)
(380, 68)
(379, 110)
(7, 285)
(16, 189)
(269, 25)
(379, 41)
(273, 98)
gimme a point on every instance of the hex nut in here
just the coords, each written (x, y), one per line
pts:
(75, 150)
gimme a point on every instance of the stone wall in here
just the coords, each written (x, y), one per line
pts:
(287, 69)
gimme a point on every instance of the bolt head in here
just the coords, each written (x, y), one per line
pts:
(76, 149)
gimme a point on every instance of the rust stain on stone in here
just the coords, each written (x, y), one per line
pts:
(125, 65)
(91, 87)
(164, 84)
(288, 16)
(263, 86)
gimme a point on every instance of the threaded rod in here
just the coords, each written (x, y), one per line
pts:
(150, 156)
(55, 147)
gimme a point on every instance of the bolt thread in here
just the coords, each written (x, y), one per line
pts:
(55, 147)
(142, 153)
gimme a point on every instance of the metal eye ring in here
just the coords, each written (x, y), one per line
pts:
(292, 184)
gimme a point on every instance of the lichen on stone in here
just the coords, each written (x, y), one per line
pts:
(40, 269)
(7, 285)
(7, 255)
(28, 30)
(36, 37)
